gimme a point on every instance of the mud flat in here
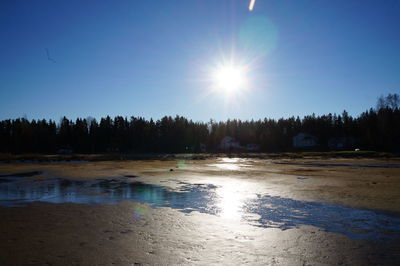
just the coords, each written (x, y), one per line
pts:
(214, 211)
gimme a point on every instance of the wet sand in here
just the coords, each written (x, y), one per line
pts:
(127, 233)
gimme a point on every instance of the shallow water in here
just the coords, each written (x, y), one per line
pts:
(257, 209)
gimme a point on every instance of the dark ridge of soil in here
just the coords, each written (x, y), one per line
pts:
(23, 174)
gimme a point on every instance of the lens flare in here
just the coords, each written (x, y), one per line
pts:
(251, 6)
(258, 36)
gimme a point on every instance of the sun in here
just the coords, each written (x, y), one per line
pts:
(229, 78)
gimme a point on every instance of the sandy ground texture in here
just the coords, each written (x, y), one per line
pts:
(78, 234)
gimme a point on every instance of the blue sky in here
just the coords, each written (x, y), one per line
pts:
(155, 58)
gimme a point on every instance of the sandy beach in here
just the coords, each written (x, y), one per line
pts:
(127, 232)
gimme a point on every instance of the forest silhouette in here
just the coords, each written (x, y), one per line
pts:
(375, 129)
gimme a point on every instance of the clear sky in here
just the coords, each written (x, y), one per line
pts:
(154, 58)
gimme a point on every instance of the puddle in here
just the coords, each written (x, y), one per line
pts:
(256, 209)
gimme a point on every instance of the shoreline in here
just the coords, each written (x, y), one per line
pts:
(37, 158)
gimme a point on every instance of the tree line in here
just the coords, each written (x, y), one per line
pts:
(375, 129)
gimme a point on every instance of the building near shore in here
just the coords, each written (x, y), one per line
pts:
(229, 144)
(203, 147)
(305, 141)
(252, 147)
(342, 143)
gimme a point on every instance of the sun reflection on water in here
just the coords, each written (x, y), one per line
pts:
(230, 202)
(230, 160)
(228, 166)
(232, 198)
(235, 201)
(232, 164)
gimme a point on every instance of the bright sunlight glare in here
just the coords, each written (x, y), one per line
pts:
(229, 78)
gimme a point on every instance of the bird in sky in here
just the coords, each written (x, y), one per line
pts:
(48, 56)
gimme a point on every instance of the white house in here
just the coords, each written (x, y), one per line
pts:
(304, 140)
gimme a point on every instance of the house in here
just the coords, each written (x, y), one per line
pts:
(203, 147)
(228, 144)
(304, 141)
(252, 147)
(64, 151)
(341, 143)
